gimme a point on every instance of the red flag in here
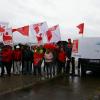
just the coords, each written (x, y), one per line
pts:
(2, 29)
(81, 28)
(23, 30)
(49, 35)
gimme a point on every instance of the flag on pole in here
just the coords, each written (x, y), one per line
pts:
(7, 36)
(53, 34)
(81, 28)
(23, 30)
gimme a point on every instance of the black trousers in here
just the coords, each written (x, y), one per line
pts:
(37, 69)
(70, 61)
(8, 66)
(48, 67)
(26, 67)
(61, 67)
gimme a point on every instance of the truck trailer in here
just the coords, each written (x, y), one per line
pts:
(87, 52)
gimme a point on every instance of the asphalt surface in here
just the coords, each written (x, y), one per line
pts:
(61, 88)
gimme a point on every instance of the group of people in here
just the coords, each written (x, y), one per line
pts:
(44, 60)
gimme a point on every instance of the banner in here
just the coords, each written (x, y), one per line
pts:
(75, 46)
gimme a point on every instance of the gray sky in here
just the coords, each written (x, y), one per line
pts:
(67, 13)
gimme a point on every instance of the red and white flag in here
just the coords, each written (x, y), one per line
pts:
(7, 36)
(37, 32)
(21, 35)
(3, 26)
(53, 34)
(81, 28)
(23, 30)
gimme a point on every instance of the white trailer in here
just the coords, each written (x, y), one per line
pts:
(87, 51)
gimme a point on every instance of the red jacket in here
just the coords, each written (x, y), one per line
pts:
(17, 55)
(37, 57)
(7, 55)
(69, 45)
(62, 56)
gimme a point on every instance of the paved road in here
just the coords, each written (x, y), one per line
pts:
(67, 88)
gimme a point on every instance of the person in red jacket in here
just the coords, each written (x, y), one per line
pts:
(6, 60)
(61, 61)
(17, 56)
(37, 60)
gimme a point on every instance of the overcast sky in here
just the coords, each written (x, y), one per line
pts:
(67, 13)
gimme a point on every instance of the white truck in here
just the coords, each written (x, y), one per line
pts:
(87, 51)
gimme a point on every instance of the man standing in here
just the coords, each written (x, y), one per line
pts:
(70, 59)
(6, 60)
(17, 55)
(27, 58)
